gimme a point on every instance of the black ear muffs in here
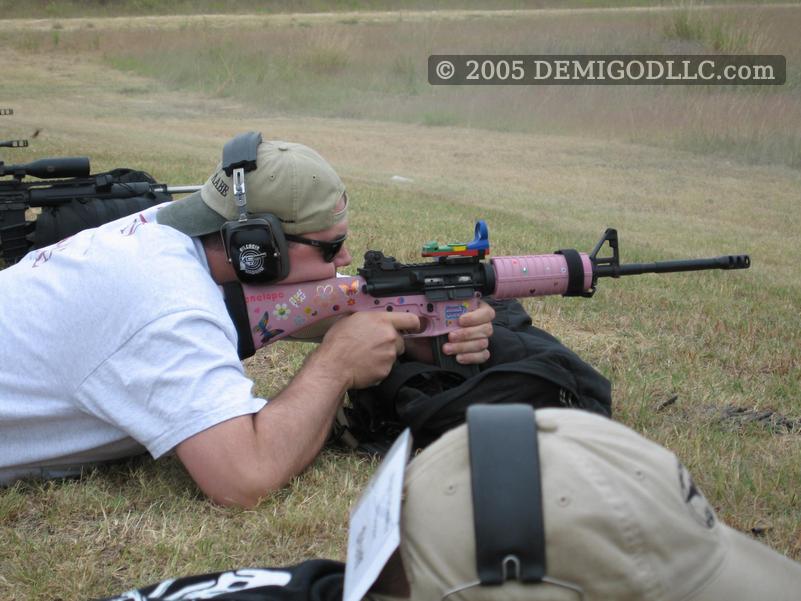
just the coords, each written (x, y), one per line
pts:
(255, 244)
(257, 249)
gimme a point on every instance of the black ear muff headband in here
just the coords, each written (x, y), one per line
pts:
(255, 245)
(507, 497)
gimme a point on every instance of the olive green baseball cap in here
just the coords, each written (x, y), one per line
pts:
(291, 181)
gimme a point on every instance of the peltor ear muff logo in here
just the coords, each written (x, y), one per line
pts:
(251, 259)
(257, 249)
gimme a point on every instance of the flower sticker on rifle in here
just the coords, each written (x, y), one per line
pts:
(281, 311)
(350, 290)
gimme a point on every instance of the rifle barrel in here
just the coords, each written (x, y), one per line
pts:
(181, 189)
(722, 262)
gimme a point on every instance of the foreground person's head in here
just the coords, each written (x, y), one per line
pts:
(622, 519)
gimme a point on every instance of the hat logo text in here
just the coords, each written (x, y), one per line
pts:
(694, 499)
(219, 184)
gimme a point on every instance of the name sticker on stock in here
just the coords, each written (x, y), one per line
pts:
(374, 531)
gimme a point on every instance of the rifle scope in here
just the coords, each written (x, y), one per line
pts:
(49, 168)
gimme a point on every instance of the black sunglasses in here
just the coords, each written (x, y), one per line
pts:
(329, 249)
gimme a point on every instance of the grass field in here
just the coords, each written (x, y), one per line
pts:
(680, 173)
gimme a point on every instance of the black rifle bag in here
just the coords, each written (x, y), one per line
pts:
(63, 220)
(526, 365)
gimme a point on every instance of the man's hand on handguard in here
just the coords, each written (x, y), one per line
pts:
(469, 343)
(366, 344)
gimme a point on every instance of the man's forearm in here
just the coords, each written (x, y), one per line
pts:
(293, 426)
(239, 461)
(245, 458)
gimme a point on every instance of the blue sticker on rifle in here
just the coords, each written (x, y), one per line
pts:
(453, 312)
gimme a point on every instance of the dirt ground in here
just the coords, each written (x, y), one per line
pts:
(168, 22)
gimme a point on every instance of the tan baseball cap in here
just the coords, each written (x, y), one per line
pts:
(290, 181)
(623, 521)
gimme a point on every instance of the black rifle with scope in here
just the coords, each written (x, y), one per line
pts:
(70, 198)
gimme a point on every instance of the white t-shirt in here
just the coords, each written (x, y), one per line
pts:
(112, 342)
